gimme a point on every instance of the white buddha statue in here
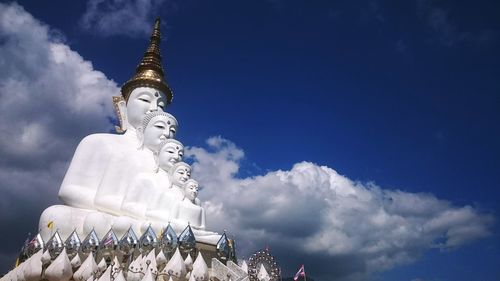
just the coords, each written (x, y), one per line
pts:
(180, 173)
(156, 127)
(145, 92)
(160, 209)
(180, 206)
(105, 162)
(133, 159)
(189, 209)
(104, 165)
(145, 187)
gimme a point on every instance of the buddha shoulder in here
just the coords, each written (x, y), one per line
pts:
(100, 140)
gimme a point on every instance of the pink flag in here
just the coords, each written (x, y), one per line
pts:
(33, 241)
(109, 240)
(299, 273)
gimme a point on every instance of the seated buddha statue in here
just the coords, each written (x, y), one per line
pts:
(157, 127)
(189, 209)
(160, 209)
(146, 187)
(173, 207)
(134, 160)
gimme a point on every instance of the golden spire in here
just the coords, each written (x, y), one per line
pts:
(149, 72)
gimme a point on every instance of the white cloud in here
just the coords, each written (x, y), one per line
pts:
(123, 17)
(50, 97)
(316, 213)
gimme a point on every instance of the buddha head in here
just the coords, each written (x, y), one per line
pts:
(180, 173)
(191, 188)
(141, 101)
(171, 152)
(156, 126)
(147, 90)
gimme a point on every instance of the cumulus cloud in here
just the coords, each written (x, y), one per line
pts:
(122, 17)
(50, 98)
(315, 215)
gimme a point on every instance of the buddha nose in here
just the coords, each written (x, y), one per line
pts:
(166, 133)
(153, 106)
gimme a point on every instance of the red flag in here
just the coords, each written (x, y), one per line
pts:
(299, 273)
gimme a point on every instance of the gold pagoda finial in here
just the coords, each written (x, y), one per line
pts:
(149, 72)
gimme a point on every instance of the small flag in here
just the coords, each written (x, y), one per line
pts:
(33, 242)
(109, 240)
(299, 273)
(50, 225)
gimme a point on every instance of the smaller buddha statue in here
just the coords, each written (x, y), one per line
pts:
(156, 127)
(145, 187)
(171, 152)
(189, 209)
(180, 173)
(160, 210)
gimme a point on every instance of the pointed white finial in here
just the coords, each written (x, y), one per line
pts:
(148, 276)
(134, 268)
(87, 269)
(200, 268)
(76, 262)
(149, 263)
(102, 265)
(175, 266)
(120, 277)
(45, 257)
(189, 262)
(33, 269)
(106, 276)
(161, 260)
(60, 268)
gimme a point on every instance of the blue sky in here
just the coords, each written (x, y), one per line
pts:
(400, 95)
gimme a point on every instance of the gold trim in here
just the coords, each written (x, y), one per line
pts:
(121, 125)
(149, 72)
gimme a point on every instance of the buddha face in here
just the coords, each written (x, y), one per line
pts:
(141, 101)
(191, 190)
(160, 128)
(180, 175)
(170, 154)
